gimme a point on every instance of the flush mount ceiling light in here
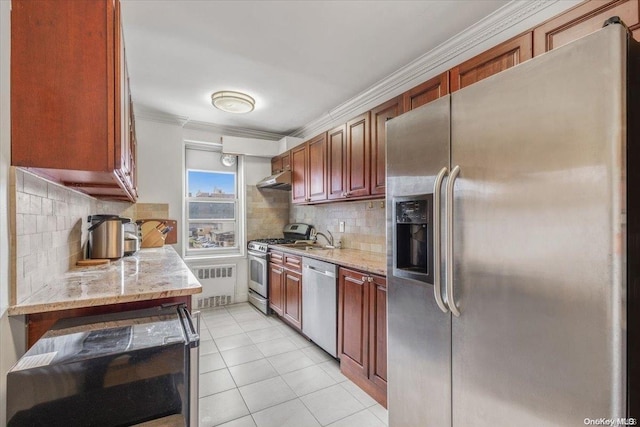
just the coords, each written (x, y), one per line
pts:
(233, 102)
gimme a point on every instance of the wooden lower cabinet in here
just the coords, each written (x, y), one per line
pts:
(292, 284)
(285, 287)
(362, 331)
(276, 298)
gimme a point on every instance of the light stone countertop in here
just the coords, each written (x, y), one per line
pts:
(149, 274)
(371, 262)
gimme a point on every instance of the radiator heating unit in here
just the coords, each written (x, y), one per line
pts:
(218, 285)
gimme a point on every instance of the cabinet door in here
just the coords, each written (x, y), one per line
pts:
(353, 322)
(358, 156)
(317, 170)
(298, 174)
(426, 92)
(581, 20)
(336, 162)
(379, 117)
(122, 147)
(276, 164)
(63, 85)
(378, 332)
(499, 58)
(276, 298)
(286, 161)
(293, 298)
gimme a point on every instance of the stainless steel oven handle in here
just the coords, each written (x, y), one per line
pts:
(437, 245)
(257, 254)
(451, 301)
(194, 386)
(193, 347)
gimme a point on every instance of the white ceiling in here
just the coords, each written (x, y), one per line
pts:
(298, 59)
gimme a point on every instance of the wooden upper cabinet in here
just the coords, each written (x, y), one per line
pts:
(494, 60)
(276, 164)
(286, 161)
(358, 156)
(336, 162)
(317, 170)
(426, 92)
(581, 20)
(379, 117)
(69, 95)
(298, 174)
(281, 162)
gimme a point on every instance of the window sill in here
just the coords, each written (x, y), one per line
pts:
(210, 256)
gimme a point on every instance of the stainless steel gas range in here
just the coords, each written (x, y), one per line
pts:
(258, 262)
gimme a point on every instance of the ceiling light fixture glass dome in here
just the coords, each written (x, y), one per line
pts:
(233, 102)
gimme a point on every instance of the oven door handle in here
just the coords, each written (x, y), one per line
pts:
(257, 254)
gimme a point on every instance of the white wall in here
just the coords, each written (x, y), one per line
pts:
(160, 159)
(12, 332)
(161, 178)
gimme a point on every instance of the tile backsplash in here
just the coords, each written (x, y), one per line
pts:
(267, 212)
(48, 230)
(364, 222)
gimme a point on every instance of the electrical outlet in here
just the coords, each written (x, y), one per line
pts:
(342, 226)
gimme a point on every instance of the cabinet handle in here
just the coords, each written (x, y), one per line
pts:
(370, 279)
(347, 194)
(364, 278)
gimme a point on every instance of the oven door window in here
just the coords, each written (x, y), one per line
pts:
(257, 271)
(258, 275)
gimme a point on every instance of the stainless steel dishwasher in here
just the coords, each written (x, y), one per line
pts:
(319, 303)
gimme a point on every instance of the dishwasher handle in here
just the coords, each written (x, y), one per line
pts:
(315, 270)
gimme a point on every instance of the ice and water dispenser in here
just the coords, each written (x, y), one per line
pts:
(413, 238)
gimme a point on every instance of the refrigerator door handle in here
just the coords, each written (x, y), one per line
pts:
(437, 246)
(451, 302)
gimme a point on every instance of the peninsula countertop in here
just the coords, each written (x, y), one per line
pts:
(153, 273)
(371, 262)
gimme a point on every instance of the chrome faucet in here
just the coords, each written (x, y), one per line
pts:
(328, 239)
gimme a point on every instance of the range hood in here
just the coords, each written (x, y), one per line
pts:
(278, 181)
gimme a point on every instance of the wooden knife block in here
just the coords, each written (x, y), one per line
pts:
(153, 239)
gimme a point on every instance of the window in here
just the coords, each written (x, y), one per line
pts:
(211, 203)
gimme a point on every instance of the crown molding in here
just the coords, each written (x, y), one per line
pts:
(429, 64)
(141, 112)
(145, 113)
(232, 130)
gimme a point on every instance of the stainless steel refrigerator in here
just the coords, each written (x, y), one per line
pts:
(513, 230)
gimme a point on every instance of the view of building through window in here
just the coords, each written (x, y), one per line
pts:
(212, 207)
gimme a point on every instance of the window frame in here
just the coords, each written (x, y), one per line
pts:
(217, 252)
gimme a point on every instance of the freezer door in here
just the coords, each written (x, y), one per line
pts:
(539, 240)
(419, 333)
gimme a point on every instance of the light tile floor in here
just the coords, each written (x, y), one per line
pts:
(255, 371)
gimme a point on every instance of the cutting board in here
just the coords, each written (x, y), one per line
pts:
(92, 262)
(147, 225)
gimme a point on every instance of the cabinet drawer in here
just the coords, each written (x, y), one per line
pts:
(293, 262)
(276, 257)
